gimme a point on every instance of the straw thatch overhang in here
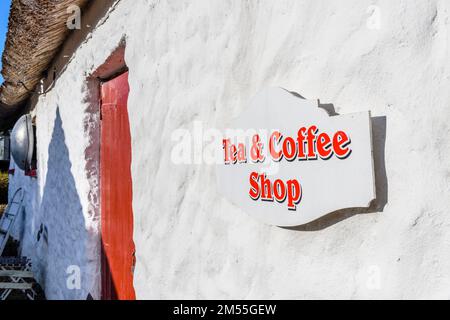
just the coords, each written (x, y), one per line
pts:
(36, 30)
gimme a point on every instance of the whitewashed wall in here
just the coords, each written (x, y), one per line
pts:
(203, 61)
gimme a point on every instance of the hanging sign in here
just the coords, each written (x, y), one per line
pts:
(287, 162)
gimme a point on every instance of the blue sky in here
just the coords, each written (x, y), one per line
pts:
(4, 13)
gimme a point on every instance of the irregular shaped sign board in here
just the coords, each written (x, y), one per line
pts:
(287, 162)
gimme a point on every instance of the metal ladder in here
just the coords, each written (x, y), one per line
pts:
(18, 275)
(16, 270)
(9, 218)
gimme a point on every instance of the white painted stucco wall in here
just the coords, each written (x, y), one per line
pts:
(203, 61)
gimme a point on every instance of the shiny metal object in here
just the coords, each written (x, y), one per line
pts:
(22, 142)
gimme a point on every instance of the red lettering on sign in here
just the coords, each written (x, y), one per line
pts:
(309, 145)
(262, 188)
(301, 143)
(275, 137)
(233, 154)
(323, 146)
(254, 189)
(340, 144)
(289, 149)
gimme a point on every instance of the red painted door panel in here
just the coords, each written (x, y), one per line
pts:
(116, 192)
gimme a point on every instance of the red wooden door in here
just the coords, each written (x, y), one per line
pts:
(116, 192)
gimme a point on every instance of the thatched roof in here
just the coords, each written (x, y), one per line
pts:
(36, 30)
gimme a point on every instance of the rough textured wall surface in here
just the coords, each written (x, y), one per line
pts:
(203, 61)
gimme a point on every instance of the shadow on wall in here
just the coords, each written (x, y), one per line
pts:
(62, 238)
(109, 288)
(381, 183)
